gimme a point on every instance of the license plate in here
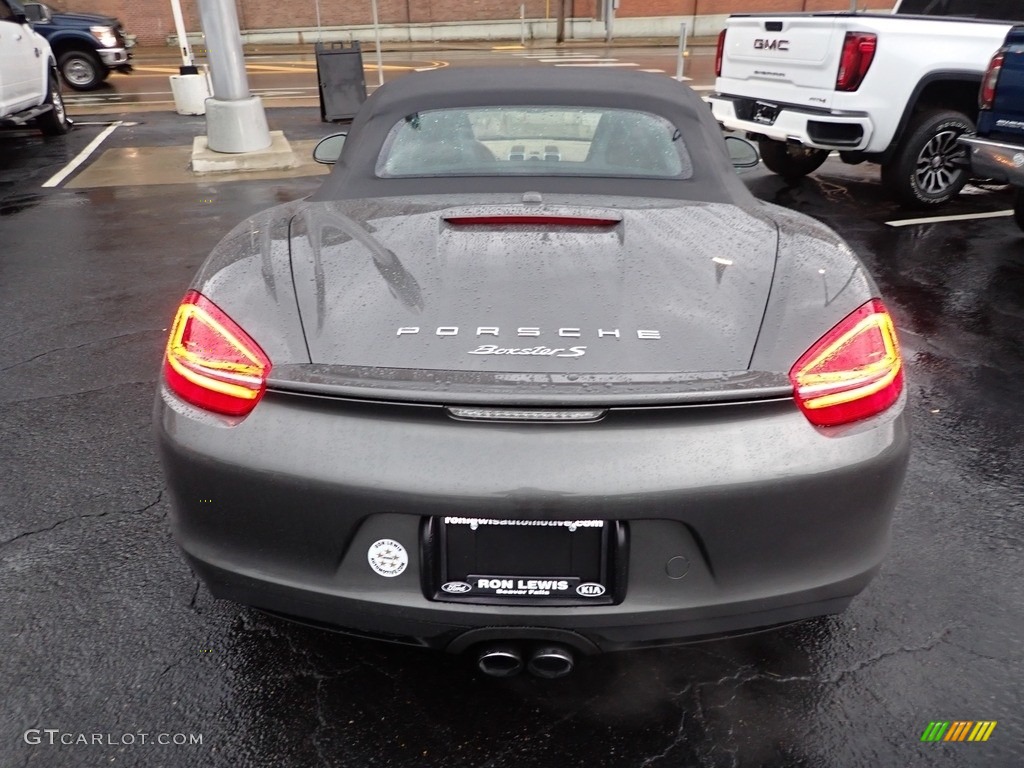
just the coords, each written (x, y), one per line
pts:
(764, 112)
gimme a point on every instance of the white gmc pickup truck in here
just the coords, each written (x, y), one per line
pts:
(29, 89)
(893, 89)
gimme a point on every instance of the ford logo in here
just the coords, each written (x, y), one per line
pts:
(590, 589)
(460, 587)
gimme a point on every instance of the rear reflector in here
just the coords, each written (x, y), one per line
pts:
(211, 362)
(501, 220)
(858, 53)
(720, 53)
(852, 372)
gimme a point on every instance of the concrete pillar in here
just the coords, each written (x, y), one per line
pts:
(235, 120)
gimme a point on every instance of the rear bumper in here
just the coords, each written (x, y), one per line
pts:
(774, 520)
(996, 160)
(409, 620)
(820, 129)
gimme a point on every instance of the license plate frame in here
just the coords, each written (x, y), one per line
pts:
(524, 562)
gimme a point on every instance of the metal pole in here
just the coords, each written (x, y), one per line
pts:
(522, 25)
(187, 59)
(235, 120)
(319, 27)
(224, 49)
(682, 52)
(609, 22)
(376, 34)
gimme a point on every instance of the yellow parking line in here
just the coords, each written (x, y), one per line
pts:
(278, 68)
(160, 70)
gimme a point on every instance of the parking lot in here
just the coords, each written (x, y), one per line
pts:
(105, 632)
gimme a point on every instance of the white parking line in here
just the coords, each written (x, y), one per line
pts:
(82, 156)
(574, 60)
(554, 53)
(107, 122)
(604, 64)
(940, 219)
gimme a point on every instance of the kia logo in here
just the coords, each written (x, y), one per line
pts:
(456, 587)
(590, 589)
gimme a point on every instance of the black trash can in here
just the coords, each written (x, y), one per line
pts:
(339, 70)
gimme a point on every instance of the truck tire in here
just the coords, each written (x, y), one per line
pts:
(81, 70)
(930, 167)
(55, 122)
(790, 161)
(1018, 208)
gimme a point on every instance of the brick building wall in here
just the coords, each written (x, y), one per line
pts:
(151, 20)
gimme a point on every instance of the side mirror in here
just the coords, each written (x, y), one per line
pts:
(328, 150)
(36, 12)
(742, 153)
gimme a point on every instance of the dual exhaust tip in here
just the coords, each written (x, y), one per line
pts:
(507, 659)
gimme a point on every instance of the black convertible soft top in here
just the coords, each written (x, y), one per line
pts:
(713, 179)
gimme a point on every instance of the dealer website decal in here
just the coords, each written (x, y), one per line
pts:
(959, 730)
(476, 522)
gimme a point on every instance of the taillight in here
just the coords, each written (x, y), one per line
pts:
(853, 371)
(988, 86)
(211, 362)
(719, 53)
(858, 53)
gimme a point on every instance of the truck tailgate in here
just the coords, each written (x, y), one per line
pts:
(773, 54)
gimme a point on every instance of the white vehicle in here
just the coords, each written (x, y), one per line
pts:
(29, 89)
(894, 89)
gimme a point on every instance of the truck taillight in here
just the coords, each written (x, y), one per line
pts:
(988, 85)
(858, 53)
(719, 53)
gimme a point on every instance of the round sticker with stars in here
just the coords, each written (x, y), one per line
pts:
(387, 557)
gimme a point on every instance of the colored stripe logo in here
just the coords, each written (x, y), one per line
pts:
(959, 730)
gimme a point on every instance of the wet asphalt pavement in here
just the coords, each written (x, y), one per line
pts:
(105, 632)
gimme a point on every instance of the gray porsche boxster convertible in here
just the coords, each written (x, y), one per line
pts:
(533, 375)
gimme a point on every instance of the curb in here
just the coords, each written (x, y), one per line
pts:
(150, 52)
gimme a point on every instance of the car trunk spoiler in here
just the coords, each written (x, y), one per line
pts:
(407, 385)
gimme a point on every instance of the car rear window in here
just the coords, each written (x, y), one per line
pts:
(530, 141)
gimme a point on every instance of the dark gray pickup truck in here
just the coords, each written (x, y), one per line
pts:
(997, 151)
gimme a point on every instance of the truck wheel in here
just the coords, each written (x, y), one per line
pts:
(930, 167)
(1018, 208)
(55, 122)
(790, 161)
(81, 70)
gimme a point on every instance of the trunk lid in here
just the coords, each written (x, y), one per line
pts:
(769, 55)
(393, 284)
